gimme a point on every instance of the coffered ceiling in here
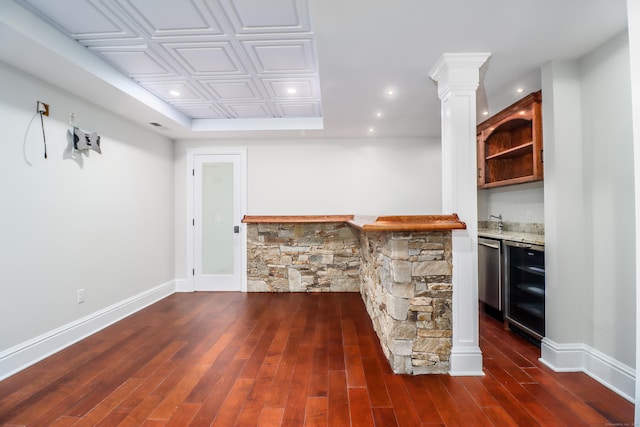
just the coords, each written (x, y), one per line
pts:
(210, 59)
(292, 68)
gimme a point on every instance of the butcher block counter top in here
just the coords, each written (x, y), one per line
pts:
(371, 223)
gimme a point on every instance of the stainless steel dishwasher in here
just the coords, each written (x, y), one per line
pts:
(490, 272)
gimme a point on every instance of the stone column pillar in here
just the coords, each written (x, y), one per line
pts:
(458, 77)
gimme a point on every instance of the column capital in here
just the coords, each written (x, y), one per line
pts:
(458, 71)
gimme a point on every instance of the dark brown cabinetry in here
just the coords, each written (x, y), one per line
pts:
(510, 144)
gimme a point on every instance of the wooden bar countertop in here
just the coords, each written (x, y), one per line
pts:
(371, 223)
(291, 218)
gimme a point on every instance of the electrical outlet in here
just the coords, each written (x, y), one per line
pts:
(43, 108)
(80, 296)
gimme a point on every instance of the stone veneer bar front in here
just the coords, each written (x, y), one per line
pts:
(401, 265)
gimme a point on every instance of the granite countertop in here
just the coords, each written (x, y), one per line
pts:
(514, 236)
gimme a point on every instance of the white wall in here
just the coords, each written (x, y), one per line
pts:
(566, 251)
(104, 225)
(590, 214)
(609, 181)
(325, 177)
(634, 57)
(516, 203)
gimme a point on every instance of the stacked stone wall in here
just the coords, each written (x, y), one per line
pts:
(303, 257)
(406, 287)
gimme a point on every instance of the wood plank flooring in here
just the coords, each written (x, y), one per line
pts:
(225, 359)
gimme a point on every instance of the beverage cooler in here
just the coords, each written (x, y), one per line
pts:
(525, 288)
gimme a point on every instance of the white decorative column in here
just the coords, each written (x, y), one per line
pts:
(458, 76)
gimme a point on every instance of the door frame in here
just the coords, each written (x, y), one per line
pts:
(190, 261)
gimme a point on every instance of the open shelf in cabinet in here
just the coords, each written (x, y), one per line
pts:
(510, 145)
(513, 152)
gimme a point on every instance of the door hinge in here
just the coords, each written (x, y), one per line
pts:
(193, 272)
(193, 222)
(193, 172)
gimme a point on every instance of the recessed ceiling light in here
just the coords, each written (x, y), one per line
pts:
(174, 93)
(371, 130)
(519, 90)
(485, 113)
(390, 92)
(379, 114)
(292, 90)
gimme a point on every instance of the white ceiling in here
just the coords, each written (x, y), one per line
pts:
(232, 61)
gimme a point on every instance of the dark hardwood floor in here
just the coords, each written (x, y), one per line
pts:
(227, 359)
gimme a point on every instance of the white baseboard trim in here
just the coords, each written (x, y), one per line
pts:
(562, 357)
(184, 285)
(27, 353)
(582, 358)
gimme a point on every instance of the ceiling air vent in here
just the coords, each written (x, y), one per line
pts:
(158, 125)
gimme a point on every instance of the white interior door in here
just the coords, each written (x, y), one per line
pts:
(217, 211)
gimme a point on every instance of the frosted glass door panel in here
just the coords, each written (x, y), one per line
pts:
(218, 235)
(217, 218)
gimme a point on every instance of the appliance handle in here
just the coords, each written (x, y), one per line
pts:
(490, 245)
(521, 245)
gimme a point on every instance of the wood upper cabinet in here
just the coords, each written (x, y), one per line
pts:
(510, 144)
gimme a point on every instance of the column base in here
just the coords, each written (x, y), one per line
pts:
(466, 362)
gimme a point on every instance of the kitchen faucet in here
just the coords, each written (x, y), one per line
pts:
(500, 224)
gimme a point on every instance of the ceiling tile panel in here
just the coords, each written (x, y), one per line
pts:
(171, 17)
(234, 90)
(259, 16)
(136, 61)
(249, 111)
(201, 110)
(281, 88)
(174, 91)
(207, 58)
(298, 109)
(97, 20)
(290, 56)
